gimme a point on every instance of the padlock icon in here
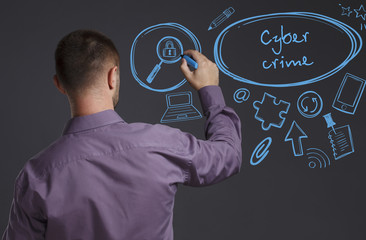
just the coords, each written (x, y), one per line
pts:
(169, 51)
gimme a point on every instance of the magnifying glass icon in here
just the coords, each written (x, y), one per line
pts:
(169, 50)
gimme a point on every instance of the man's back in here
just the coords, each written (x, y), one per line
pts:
(107, 179)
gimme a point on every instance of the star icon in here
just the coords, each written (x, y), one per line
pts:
(361, 12)
(346, 11)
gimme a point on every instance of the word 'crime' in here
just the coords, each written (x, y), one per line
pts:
(277, 42)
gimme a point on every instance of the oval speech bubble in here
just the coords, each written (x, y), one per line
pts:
(279, 35)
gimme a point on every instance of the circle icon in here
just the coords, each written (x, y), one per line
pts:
(309, 104)
(312, 164)
(158, 44)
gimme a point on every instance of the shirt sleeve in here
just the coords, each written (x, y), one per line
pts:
(220, 155)
(25, 221)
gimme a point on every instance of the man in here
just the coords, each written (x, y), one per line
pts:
(108, 179)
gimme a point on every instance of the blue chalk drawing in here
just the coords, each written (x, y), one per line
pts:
(295, 134)
(285, 39)
(349, 94)
(346, 10)
(329, 120)
(167, 53)
(361, 12)
(180, 108)
(241, 95)
(363, 26)
(221, 18)
(270, 112)
(169, 50)
(144, 34)
(340, 138)
(309, 104)
(353, 35)
(317, 158)
(261, 151)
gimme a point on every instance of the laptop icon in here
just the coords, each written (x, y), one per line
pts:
(180, 108)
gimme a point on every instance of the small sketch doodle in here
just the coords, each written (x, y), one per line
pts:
(329, 120)
(270, 111)
(340, 138)
(221, 18)
(241, 95)
(180, 108)
(261, 151)
(309, 104)
(361, 12)
(167, 53)
(346, 10)
(295, 134)
(349, 94)
(317, 158)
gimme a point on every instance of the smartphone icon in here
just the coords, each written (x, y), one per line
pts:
(349, 94)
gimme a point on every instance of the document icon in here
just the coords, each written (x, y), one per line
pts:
(341, 141)
(180, 108)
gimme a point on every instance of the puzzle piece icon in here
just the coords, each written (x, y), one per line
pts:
(270, 111)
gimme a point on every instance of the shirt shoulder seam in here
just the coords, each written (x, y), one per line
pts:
(47, 170)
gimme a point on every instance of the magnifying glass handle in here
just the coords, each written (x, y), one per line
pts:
(153, 73)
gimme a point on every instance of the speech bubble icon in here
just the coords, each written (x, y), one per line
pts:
(285, 49)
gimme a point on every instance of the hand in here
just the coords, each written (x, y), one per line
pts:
(206, 74)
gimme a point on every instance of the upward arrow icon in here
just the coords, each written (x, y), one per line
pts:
(294, 135)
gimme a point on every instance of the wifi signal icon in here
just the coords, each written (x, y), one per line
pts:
(317, 158)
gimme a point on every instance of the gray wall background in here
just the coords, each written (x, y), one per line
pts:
(281, 198)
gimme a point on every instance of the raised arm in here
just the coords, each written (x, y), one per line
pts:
(220, 156)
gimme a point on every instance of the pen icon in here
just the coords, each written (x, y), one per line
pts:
(221, 18)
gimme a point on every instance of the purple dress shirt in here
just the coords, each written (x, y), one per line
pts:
(106, 179)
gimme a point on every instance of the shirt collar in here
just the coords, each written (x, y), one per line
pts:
(82, 123)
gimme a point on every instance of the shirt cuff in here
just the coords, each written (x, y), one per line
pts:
(210, 96)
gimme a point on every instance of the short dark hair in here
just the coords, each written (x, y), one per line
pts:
(81, 55)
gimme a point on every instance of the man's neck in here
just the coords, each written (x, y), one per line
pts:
(89, 105)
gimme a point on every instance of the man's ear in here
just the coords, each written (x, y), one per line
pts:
(112, 77)
(57, 83)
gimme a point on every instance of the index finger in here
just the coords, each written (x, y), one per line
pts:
(198, 57)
